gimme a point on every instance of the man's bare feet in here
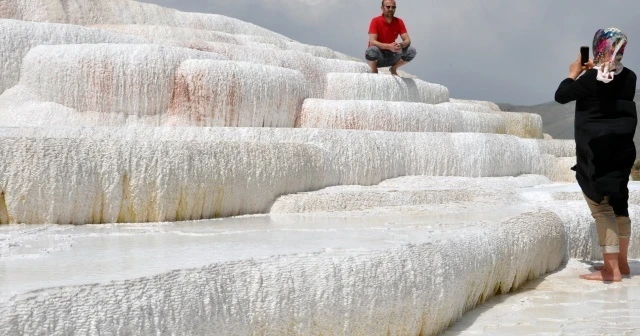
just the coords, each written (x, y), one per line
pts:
(374, 66)
(602, 276)
(624, 267)
(393, 71)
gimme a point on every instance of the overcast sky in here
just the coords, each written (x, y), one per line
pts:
(514, 51)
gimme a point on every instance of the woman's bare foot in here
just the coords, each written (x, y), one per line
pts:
(393, 71)
(624, 268)
(602, 276)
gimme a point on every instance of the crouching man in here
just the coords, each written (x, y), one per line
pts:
(383, 49)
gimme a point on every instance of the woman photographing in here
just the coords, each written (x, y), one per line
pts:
(605, 123)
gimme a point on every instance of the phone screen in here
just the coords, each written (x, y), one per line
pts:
(584, 55)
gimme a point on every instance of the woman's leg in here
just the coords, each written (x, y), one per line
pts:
(624, 230)
(608, 238)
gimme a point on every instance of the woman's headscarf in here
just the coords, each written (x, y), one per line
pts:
(608, 49)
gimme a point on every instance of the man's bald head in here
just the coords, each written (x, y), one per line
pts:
(388, 8)
(388, 3)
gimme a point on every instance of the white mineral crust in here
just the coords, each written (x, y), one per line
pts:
(109, 78)
(18, 37)
(414, 117)
(413, 288)
(345, 86)
(114, 163)
(236, 94)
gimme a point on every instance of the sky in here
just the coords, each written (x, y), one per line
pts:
(505, 51)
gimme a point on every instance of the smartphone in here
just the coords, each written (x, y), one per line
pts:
(584, 55)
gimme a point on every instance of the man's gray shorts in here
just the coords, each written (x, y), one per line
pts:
(387, 58)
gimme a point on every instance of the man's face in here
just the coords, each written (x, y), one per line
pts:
(388, 8)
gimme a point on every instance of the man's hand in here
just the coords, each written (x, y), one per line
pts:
(395, 47)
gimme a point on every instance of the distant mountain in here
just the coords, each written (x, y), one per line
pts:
(558, 119)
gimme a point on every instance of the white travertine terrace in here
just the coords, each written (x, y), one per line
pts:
(341, 86)
(149, 179)
(407, 191)
(162, 34)
(379, 205)
(319, 51)
(353, 198)
(559, 168)
(95, 12)
(486, 104)
(470, 106)
(314, 69)
(109, 78)
(236, 94)
(193, 38)
(524, 125)
(18, 37)
(380, 115)
(558, 147)
(414, 117)
(416, 288)
(351, 157)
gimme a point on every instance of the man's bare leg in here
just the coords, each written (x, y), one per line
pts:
(394, 69)
(374, 66)
(610, 272)
(623, 262)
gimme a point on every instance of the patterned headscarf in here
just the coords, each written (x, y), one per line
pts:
(608, 49)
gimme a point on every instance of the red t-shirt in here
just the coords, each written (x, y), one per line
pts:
(387, 32)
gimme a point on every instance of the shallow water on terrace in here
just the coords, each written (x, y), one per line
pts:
(40, 256)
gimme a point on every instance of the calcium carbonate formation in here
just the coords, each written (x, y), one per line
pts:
(486, 104)
(392, 208)
(314, 69)
(18, 37)
(411, 289)
(94, 12)
(237, 94)
(414, 117)
(349, 158)
(108, 78)
(341, 86)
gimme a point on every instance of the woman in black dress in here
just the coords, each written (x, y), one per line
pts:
(605, 123)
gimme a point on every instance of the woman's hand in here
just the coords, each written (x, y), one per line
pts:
(575, 69)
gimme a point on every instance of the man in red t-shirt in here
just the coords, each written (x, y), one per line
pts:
(383, 49)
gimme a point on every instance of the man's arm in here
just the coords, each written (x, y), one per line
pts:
(373, 40)
(406, 41)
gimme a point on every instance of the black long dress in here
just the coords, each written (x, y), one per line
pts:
(605, 123)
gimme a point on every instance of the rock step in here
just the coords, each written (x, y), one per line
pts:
(94, 175)
(236, 94)
(18, 37)
(491, 106)
(414, 117)
(107, 179)
(367, 86)
(416, 280)
(199, 38)
(558, 147)
(314, 69)
(409, 191)
(93, 12)
(109, 78)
